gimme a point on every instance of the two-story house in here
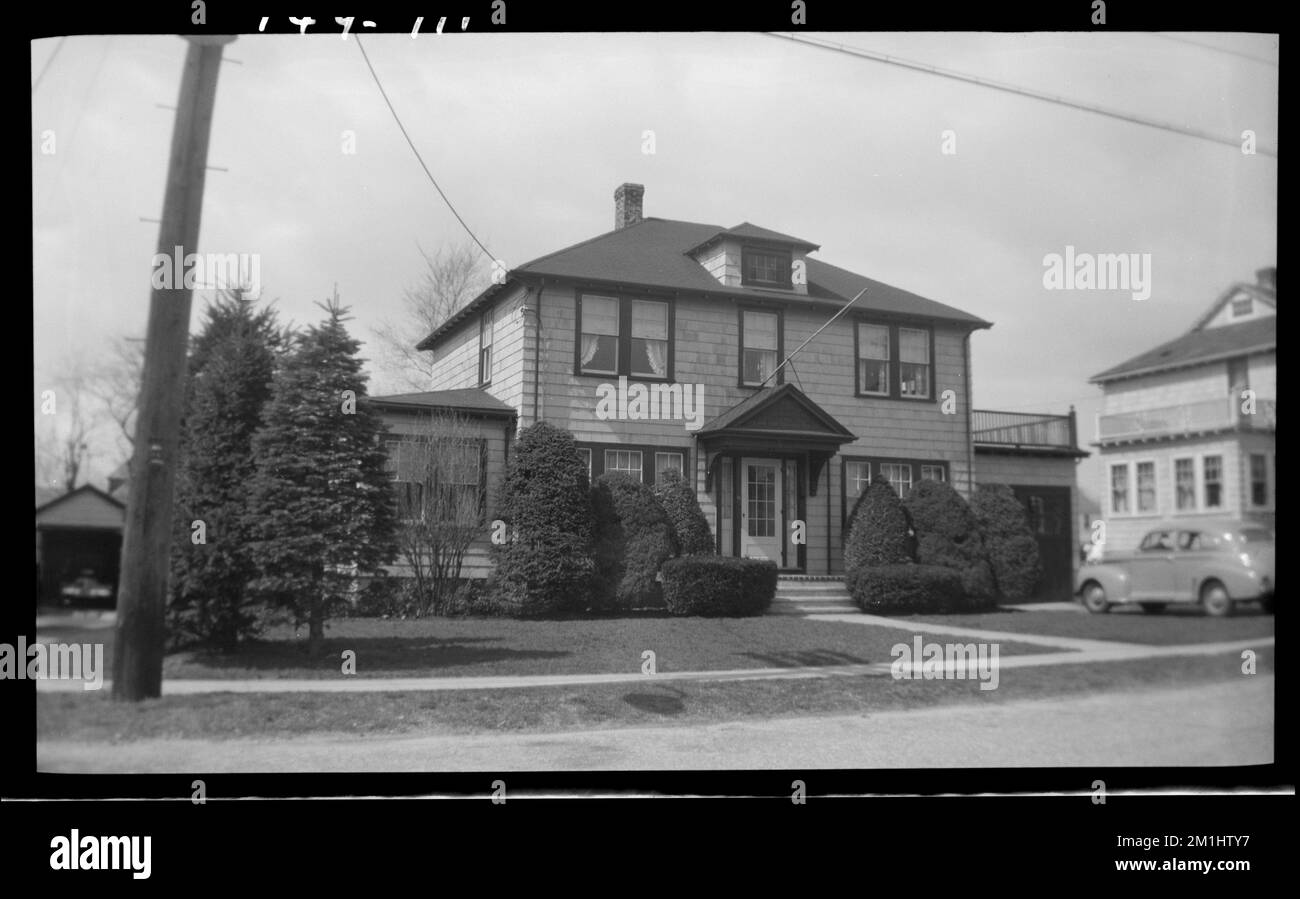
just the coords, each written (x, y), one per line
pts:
(1188, 428)
(660, 345)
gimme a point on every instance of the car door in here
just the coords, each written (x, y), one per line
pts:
(1151, 572)
(1200, 556)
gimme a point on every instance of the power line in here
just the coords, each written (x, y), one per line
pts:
(418, 157)
(46, 67)
(1014, 89)
(1183, 40)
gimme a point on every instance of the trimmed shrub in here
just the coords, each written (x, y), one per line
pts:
(690, 527)
(906, 589)
(1010, 546)
(633, 538)
(947, 534)
(877, 533)
(546, 566)
(718, 585)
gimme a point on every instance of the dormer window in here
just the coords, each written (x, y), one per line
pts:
(1241, 305)
(765, 267)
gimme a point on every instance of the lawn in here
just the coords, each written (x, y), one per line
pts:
(95, 717)
(1174, 626)
(469, 647)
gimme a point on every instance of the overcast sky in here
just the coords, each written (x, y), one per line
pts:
(530, 134)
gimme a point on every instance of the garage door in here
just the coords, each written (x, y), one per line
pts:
(1048, 511)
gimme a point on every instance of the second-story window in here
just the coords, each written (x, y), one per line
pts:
(624, 336)
(1212, 475)
(873, 359)
(760, 344)
(599, 348)
(914, 363)
(894, 361)
(485, 348)
(649, 339)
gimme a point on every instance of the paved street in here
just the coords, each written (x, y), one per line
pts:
(1219, 724)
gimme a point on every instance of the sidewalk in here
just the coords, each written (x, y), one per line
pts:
(1073, 654)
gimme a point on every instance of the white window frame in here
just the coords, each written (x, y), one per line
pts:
(1128, 489)
(680, 455)
(943, 475)
(1202, 495)
(640, 474)
(897, 485)
(889, 362)
(1138, 511)
(1196, 483)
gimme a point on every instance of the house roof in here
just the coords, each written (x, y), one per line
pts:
(469, 399)
(655, 253)
(64, 497)
(1199, 346)
(749, 231)
(1266, 295)
(787, 408)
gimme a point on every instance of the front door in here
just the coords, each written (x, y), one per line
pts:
(761, 509)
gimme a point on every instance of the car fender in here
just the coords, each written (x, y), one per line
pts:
(1114, 580)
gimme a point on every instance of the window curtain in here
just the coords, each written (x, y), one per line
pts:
(590, 342)
(657, 352)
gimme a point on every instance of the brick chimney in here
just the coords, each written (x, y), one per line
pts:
(1267, 277)
(627, 205)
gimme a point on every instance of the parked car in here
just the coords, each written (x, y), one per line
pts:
(86, 588)
(1215, 563)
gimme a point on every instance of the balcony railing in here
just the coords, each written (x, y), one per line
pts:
(1189, 418)
(1022, 429)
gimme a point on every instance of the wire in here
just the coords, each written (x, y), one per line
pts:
(46, 67)
(418, 157)
(1183, 40)
(1013, 89)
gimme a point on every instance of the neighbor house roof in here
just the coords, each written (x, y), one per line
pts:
(655, 253)
(1196, 347)
(469, 400)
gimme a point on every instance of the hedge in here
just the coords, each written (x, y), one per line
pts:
(633, 538)
(947, 534)
(718, 585)
(906, 589)
(1011, 548)
(878, 529)
(691, 528)
(546, 567)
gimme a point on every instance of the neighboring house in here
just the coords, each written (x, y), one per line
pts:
(1188, 429)
(77, 532)
(658, 346)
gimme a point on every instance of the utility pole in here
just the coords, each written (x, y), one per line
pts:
(146, 537)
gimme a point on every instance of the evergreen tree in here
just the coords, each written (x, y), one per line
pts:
(320, 498)
(229, 381)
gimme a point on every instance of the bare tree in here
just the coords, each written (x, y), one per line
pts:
(440, 497)
(453, 275)
(65, 424)
(116, 384)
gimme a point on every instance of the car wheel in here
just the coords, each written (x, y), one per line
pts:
(1153, 607)
(1215, 600)
(1094, 599)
